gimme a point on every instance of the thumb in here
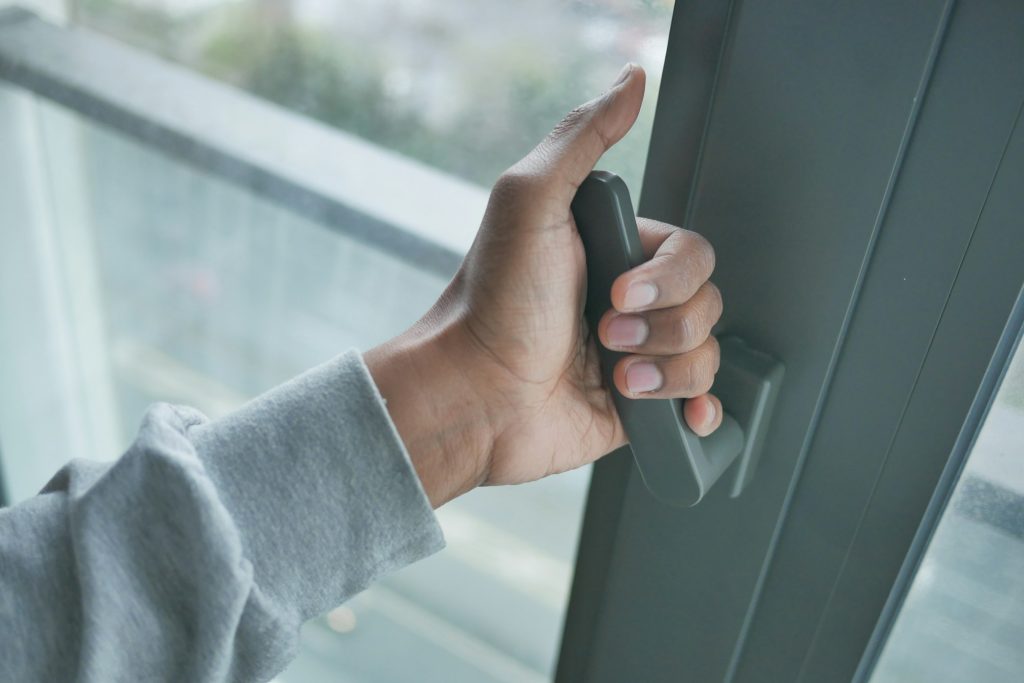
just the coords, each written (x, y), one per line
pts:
(570, 151)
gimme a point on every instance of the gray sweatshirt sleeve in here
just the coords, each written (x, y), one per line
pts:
(198, 554)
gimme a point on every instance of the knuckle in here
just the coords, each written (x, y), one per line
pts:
(715, 354)
(676, 240)
(704, 375)
(516, 181)
(707, 380)
(692, 377)
(674, 247)
(665, 231)
(717, 305)
(690, 383)
(711, 308)
(686, 329)
(703, 255)
(699, 371)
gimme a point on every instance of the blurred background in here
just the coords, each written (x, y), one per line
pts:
(130, 274)
(146, 279)
(463, 85)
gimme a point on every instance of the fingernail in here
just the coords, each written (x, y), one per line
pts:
(627, 331)
(640, 294)
(623, 75)
(643, 377)
(712, 410)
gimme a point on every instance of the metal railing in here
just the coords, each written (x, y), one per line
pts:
(373, 195)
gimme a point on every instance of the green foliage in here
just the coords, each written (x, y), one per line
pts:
(147, 27)
(511, 94)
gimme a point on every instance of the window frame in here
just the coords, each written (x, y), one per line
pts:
(832, 562)
(1009, 343)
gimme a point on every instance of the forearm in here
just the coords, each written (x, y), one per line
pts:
(198, 554)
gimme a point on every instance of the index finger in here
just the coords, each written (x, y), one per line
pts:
(653, 234)
(680, 262)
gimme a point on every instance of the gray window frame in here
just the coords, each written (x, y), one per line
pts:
(1009, 343)
(911, 113)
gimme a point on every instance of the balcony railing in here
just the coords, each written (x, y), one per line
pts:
(167, 237)
(420, 214)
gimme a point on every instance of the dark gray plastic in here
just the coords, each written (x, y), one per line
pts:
(856, 180)
(677, 466)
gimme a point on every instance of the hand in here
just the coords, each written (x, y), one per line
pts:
(500, 383)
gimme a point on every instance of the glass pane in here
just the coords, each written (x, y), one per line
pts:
(963, 619)
(466, 86)
(172, 285)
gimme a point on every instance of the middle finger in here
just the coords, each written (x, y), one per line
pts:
(665, 331)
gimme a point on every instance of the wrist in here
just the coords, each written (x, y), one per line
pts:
(436, 407)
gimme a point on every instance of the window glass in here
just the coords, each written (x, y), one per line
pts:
(463, 85)
(172, 285)
(167, 284)
(963, 618)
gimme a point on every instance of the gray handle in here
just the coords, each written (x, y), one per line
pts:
(677, 466)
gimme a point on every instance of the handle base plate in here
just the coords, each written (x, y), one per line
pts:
(748, 383)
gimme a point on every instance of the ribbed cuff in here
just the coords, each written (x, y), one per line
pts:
(322, 490)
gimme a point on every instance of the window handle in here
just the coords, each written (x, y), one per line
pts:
(677, 466)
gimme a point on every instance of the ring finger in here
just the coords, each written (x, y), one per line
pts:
(683, 375)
